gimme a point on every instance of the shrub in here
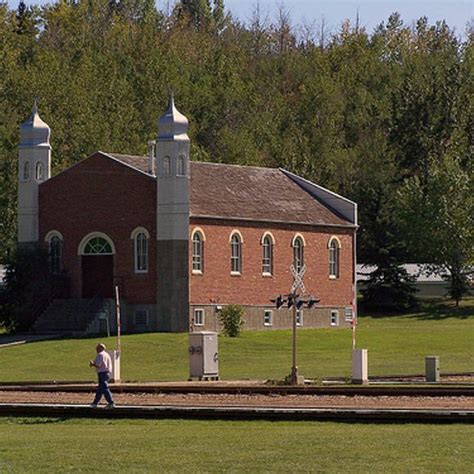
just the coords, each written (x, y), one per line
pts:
(29, 288)
(231, 318)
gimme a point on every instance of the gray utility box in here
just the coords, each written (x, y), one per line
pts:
(432, 369)
(203, 355)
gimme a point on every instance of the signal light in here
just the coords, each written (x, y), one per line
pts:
(290, 301)
(299, 303)
(312, 301)
(279, 301)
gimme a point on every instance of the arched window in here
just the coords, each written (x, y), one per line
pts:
(235, 254)
(267, 255)
(298, 253)
(39, 171)
(166, 165)
(141, 252)
(26, 171)
(98, 246)
(181, 166)
(334, 250)
(198, 252)
(55, 250)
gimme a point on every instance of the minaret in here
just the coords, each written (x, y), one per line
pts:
(34, 167)
(172, 231)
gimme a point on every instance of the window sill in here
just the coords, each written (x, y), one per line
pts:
(141, 272)
(235, 274)
(267, 275)
(268, 324)
(200, 324)
(197, 272)
(333, 277)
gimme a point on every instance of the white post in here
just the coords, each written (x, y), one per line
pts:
(115, 355)
(360, 373)
(117, 306)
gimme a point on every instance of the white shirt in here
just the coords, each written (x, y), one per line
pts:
(103, 362)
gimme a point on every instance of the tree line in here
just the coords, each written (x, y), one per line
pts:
(383, 117)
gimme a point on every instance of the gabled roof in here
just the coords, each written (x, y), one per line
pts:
(223, 191)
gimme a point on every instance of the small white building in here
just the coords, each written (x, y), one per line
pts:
(428, 285)
(3, 274)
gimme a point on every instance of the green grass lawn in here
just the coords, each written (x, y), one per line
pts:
(53, 445)
(396, 344)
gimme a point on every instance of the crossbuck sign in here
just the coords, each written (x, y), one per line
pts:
(298, 278)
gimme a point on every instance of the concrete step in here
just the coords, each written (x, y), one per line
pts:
(68, 315)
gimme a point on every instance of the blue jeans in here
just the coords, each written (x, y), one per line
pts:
(103, 388)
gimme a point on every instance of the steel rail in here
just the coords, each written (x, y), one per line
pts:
(210, 388)
(348, 415)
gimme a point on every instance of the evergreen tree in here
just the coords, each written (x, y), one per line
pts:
(389, 286)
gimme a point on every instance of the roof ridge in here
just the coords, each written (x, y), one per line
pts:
(215, 163)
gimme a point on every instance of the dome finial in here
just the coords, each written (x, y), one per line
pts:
(172, 125)
(34, 131)
(35, 105)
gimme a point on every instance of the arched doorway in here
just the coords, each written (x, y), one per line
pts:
(97, 261)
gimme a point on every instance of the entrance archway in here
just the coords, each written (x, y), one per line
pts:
(97, 260)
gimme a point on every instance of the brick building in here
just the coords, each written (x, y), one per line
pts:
(182, 239)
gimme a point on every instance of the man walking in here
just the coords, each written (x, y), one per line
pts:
(103, 366)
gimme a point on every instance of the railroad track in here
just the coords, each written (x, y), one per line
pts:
(222, 388)
(349, 415)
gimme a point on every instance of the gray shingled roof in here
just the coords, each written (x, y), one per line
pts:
(247, 193)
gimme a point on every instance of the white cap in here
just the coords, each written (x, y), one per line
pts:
(173, 125)
(34, 131)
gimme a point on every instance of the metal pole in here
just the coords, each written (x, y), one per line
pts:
(117, 307)
(294, 368)
(353, 331)
(354, 289)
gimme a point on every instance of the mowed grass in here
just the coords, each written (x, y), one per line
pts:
(45, 445)
(396, 345)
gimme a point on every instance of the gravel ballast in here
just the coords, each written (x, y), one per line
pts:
(214, 400)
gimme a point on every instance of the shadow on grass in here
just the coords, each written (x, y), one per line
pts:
(440, 310)
(431, 310)
(37, 421)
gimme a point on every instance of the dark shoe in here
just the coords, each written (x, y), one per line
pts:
(110, 405)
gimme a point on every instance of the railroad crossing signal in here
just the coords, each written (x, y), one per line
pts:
(293, 299)
(279, 301)
(297, 278)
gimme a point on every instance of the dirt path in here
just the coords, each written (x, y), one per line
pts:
(203, 400)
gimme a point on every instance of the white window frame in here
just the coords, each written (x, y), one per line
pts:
(334, 317)
(268, 317)
(299, 317)
(198, 321)
(59, 258)
(85, 240)
(298, 251)
(39, 171)
(143, 312)
(167, 165)
(135, 235)
(348, 314)
(236, 242)
(334, 246)
(26, 171)
(181, 166)
(198, 257)
(267, 254)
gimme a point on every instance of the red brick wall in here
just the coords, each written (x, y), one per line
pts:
(100, 194)
(216, 285)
